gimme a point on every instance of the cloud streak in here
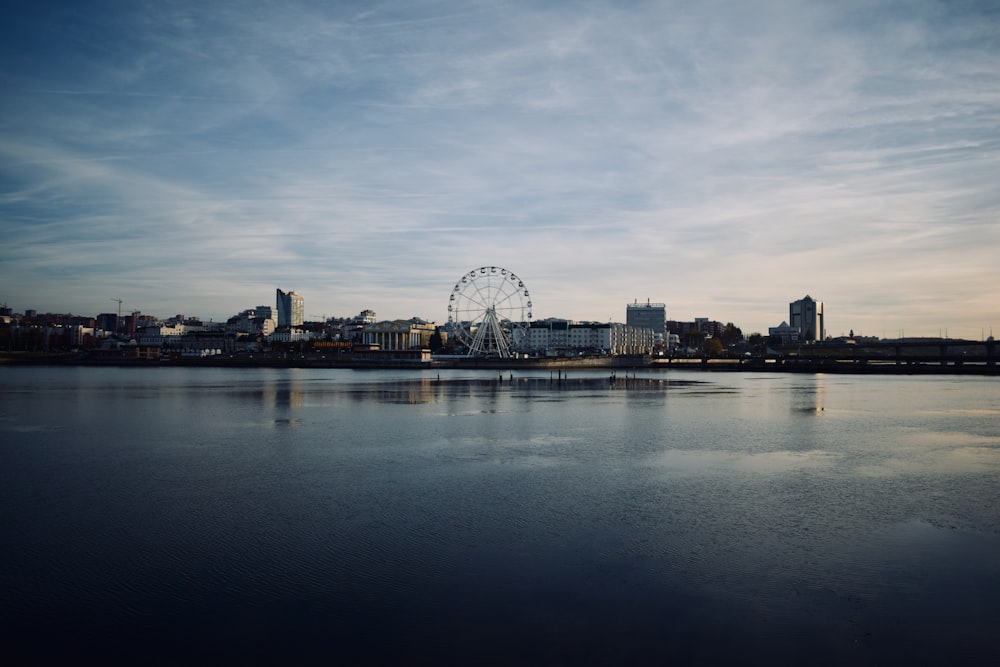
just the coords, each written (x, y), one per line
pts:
(723, 158)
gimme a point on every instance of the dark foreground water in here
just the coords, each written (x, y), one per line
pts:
(259, 516)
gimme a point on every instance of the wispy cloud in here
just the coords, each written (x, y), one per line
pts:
(722, 157)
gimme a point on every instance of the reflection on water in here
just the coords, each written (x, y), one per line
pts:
(707, 462)
(317, 516)
(542, 388)
(808, 397)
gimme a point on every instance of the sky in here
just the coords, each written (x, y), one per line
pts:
(721, 157)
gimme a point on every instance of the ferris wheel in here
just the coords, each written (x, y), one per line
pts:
(489, 312)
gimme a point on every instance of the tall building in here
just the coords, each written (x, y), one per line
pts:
(647, 316)
(291, 309)
(807, 315)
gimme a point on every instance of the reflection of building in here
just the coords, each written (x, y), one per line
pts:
(291, 309)
(807, 315)
(399, 335)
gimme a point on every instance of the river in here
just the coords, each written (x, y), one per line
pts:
(307, 516)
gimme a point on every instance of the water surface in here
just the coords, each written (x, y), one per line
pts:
(284, 516)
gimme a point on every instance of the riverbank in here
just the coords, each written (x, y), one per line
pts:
(770, 365)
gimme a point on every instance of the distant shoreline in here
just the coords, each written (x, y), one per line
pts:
(752, 365)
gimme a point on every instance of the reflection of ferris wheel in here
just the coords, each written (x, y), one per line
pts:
(490, 312)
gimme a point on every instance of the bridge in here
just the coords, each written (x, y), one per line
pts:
(905, 355)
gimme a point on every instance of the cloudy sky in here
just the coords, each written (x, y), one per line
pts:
(723, 158)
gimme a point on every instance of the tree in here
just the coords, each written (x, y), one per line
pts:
(694, 339)
(713, 347)
(435, 343)
(732, 335)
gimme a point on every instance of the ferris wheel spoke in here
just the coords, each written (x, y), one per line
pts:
(486, 300)
(474, 309)
(474, 296)
(509, 297)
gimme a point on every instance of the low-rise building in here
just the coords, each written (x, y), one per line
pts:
(399, 334)
(555, 337)
(289, 335)
(784, 333)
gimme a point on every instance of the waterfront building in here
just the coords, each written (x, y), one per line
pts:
(164, 335)
(647, 316)
(709, 328)
(291, 309)
(399, 335)
(548, 337)
(783, 333)
(807, 315)
(555, 338)
(694, 333)
(289, 335)
(630, 340)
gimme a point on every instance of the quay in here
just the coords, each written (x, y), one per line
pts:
(920, 357)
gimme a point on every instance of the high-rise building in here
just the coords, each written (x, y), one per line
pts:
(647, 316)
(807, 315)
(291, 309)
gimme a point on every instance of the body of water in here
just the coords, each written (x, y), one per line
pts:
(284, 516)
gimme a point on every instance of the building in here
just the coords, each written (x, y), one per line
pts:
(807, 315)
(554, 337)
(692, 334)
(399, 335)
(783, 334)
(547, 337)
(647, 316)
(251, 321)
(630, 340)
(291, 309)
(365, 317)
(108, 322)
(289, 335)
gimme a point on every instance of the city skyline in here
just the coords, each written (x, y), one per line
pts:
(722, 158)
